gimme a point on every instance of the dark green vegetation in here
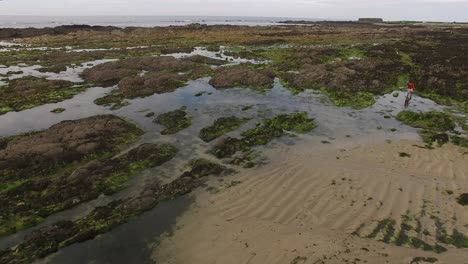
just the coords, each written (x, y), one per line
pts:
(202, 168)
(463, 199)
(174, 121)
(437, 121)
(404, 155)
(418, 260)
(29, 92)
(58, 110)
(145, 76)
(220, 127)
(49, 239)
(32, 201)
(42, 165)
(434, 125)
(350, 76)
(459, 141)
(246, 76)
(456, 239)
(264, 133)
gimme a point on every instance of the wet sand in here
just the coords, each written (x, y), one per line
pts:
(304, 205)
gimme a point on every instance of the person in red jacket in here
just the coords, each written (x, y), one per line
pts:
(410, 89)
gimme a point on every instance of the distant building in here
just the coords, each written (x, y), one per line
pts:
(370, 20)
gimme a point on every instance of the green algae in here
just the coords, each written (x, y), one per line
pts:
(417, 260)
(202, 168)
(174, 121)
(29, 92)
(459, 141)
(437, 121)
(220, 127)
(264, 133)
(356, 100)
(433, 124)
(58, 110)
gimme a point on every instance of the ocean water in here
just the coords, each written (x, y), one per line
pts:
(136, 21)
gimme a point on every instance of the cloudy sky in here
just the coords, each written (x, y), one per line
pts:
(440, 10)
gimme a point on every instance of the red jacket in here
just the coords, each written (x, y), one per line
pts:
(410, 85)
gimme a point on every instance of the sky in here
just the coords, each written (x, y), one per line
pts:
(425, 10)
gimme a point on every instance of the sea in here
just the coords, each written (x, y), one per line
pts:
(137, 21)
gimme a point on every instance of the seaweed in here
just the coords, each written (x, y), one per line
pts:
(463, 199)
(174, 121)
(220, 127)
(264, 133)
(29, 92)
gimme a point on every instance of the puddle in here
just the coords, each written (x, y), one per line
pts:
(71, 74)
(215, 55)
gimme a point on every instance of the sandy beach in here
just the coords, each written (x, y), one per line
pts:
(319, 203)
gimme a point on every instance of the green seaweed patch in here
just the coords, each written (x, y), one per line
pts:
(220, 127)
(246, 160)
(113, 99)
(356, 100)
(417, 260)
(463, 199)
(264, 133)
(433, 124)
(431, 137)
(246, 108)
(174, 121)
(29, 92)
(58, 110)
(57, 68)
(135, 161)
(459, 141)
(202, 168)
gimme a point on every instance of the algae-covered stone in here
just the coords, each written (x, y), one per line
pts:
(264, 133)
(29, 92)
(460, 141)
(243, 76)
(58, 110)
(202, 168)
(61, 147)
(174, 121)
(433, 120)
(395, 94)
(220, 127)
